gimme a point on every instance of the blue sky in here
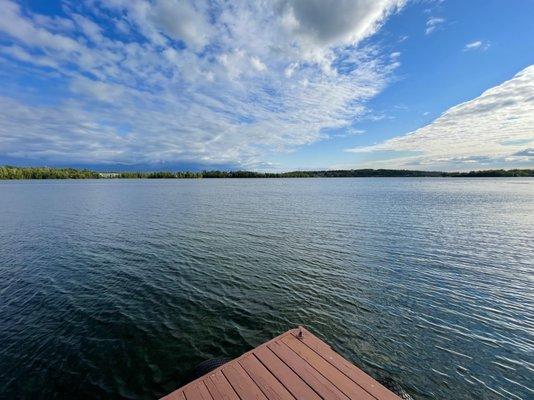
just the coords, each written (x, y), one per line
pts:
(280, 85)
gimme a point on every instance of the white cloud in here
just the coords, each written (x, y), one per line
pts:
(473, 45)
(91, 30)
(433, 23)
(476, 45)
(23, 29)
(182, 20)
(496, 126)
(290, 70)
(184, 80)
(19, 53)
(258, 64)
(336, 21)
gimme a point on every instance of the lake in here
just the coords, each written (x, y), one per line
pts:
(117, 288)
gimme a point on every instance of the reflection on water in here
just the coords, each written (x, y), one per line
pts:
(116, 288)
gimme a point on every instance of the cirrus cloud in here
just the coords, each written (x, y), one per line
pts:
(476, 45)
(433, 23)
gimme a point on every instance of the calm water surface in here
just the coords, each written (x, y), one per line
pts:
(114, 289)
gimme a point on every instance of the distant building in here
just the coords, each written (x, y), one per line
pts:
(109, 174)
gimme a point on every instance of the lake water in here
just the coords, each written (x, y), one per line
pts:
(116, 288)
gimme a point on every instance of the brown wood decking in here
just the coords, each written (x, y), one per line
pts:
(290, 366)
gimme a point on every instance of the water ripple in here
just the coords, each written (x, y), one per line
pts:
(114, 289)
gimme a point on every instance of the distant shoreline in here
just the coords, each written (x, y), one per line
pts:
(19, 173)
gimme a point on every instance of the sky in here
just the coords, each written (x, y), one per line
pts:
(267, 85)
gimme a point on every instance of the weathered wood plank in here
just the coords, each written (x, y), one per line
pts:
(291, 381)
(315, 380)
(346, 367)
(219, 387)
(340, 380)
(176, 395)
(268, 384)
(241, 382)
(197, 392)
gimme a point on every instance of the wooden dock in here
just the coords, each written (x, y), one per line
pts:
(294, 365)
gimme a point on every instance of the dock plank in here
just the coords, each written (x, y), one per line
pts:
(315, 380)
(219, 387)
(243, 384)
(346, 367)
(197, 392)
(342, 382)
(268, 384)
(176, 395)
(291, 381)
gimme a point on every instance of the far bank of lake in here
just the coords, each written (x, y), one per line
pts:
(10, 172)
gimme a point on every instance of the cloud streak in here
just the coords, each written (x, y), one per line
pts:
(433, 23)
(496, 127)
(476, 45)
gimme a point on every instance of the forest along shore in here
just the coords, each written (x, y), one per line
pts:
(10, 172)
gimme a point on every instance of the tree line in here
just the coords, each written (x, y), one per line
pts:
(11, 172)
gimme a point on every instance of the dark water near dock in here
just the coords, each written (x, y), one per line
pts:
(114, 289)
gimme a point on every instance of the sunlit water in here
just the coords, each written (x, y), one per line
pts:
(115, 289)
